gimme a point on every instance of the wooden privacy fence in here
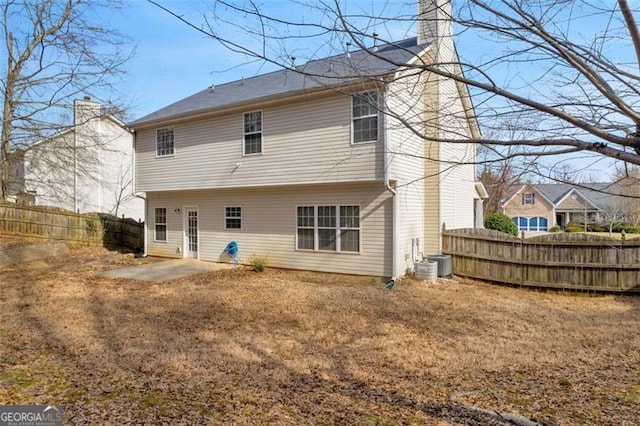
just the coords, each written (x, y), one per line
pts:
(122, 232)
(562, 260)
(76, 229)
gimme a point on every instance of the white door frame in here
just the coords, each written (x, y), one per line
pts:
(185, 233)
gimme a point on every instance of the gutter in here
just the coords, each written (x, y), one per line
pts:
(262, 102)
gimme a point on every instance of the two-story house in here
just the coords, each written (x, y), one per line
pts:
(320, 168)
(87, 168)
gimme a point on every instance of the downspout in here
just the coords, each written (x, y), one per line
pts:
(137, 195)
(394, 195)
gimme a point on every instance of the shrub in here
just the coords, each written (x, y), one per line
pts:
(597, 228)
(618, 227)
(258, 263)
(501, 222)
(630, 229)
(555, 228)
(574, 229)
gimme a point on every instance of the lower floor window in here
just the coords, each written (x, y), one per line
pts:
(160, 231)
(328, 228)
(538, 223)
(233, 217)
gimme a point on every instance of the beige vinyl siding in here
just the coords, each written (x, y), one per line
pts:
(103, 170)
(269, 226)
(432, 186)
(302, 142)
(404, 97)
(449, 185)
(432, 223)
(457, 180)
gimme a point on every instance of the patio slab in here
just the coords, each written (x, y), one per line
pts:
(166, 270)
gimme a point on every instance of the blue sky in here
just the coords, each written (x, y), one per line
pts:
(173, 60)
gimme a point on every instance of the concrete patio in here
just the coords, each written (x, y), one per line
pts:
(166, 270)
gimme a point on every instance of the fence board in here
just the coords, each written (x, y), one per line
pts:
(567, 261)
(76, 229)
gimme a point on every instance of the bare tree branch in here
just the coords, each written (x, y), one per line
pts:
(55, 54)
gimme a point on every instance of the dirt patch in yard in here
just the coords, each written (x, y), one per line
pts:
(292, 347)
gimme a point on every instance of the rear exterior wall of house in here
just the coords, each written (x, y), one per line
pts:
(269, 225)
(307, 140)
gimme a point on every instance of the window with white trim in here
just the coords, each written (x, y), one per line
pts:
(350, 228)
(529, 198)
(328, 228)
(252, 133)
(538, 223)
(306, 228)
(164, 142)
(160, 224)
(233, 217)
(364, 114)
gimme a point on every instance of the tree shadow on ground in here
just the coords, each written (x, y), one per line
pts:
(230, 347)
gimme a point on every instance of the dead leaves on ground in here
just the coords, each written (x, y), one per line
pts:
(296, 347)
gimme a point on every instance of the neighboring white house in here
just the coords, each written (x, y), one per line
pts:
(314, 169)
(86, 168)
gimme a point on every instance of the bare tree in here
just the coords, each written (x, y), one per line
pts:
(55, 51)
(122, 182)
(628, 186)
(569, 66)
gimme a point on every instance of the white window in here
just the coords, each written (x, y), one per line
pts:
(328, 228)
(529, 198)
(252, 133)
(350, 228)
(538, 223)
(306, 228)
(160, 231)
(365, 117)
(164, 142)
(233, 217)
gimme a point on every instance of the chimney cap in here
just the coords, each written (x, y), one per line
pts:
(87, 98)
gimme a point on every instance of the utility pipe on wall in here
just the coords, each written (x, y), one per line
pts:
(394, 194)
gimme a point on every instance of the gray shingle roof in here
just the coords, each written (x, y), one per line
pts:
(331, 71)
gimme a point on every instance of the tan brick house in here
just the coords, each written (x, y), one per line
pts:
(538, 207)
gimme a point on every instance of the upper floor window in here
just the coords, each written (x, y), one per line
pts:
(160, 231)
(529, 198)
(164, 142)
(233, 217)
(365, 117)
(252, 133)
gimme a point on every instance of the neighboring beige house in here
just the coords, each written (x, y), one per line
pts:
(314, 169)
(86, 168)
(538, 207)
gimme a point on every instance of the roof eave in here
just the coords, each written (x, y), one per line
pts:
(204, 112)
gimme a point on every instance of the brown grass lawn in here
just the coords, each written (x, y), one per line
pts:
(289, 348)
